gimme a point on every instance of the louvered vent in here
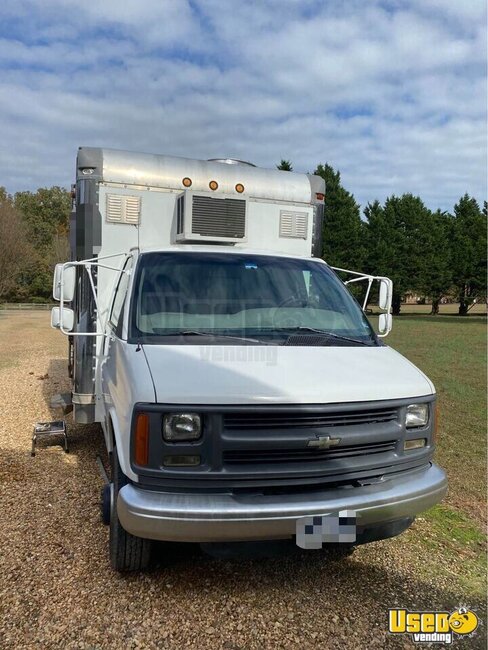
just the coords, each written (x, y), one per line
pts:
(123, 209)
(180, 214)
(218, 217)
(294, 224)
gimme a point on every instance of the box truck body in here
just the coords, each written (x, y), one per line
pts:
(242, 392)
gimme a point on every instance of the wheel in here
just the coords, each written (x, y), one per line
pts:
(106, 498)
(127, 552)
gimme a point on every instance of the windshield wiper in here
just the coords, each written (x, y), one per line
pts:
(302, 328)
(160, 332)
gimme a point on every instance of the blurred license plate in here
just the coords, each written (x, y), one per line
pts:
(336, 527)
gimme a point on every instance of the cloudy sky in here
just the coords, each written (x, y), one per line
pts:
(391, 92)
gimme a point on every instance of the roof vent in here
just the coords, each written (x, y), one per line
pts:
(231, 161)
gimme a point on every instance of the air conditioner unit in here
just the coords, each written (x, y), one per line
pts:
(203, 217)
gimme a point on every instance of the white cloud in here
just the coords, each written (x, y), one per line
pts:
(392, 95)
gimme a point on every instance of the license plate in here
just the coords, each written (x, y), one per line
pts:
(335, 527)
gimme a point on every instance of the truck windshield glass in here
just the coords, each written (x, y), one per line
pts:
(233, 294)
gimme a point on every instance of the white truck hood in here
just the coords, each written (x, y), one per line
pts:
(191, 374)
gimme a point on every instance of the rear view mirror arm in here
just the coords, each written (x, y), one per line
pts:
(360, 277)
(87, 265)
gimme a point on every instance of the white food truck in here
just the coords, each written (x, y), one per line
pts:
(242, 392)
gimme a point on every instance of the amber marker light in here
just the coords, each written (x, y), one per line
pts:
(142, 439)
(240, 188)
(187, 181)
(319, 196)
(213, 185)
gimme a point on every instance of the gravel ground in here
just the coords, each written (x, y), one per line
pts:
(57, 589)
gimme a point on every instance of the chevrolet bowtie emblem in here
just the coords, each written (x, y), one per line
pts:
(323, 442)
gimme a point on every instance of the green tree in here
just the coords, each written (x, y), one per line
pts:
(46, 216)
(436, 279)
(469, 252)
(380, 256)
(15, 249)
(285, 165)
(396, 236)
(46, 212)
(4, 196)
(343, 229)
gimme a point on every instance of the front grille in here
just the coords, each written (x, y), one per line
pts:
(267, 446)
(263, 420)
(257, 456)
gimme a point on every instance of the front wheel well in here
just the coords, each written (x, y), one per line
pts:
(109, 435)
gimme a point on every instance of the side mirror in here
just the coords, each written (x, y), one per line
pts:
(385, 322)
(384, 301)
(67, 276)
(68, 319)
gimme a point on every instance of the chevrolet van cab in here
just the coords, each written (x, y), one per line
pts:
(242, 392)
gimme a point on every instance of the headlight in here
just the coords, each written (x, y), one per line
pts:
(417, 415)
(182, 426)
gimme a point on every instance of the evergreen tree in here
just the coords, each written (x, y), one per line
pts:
(469, 252)
(344, 244)
(379, 254)
(285, 165)
(397, 243)
(436, 279)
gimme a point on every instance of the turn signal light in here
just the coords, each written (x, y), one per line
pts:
(319, 196)
(141, 454)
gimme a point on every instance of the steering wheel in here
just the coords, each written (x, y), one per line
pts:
(292, 301)
(290, 320)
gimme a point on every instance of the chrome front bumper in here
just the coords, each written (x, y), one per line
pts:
(180, 517)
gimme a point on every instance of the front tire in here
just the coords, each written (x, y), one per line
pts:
(127, 552)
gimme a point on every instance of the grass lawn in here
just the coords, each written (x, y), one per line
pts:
(451, 351)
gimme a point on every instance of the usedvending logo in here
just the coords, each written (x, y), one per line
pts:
(433, 627)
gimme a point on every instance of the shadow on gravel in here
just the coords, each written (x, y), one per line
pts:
(55, 380)
(13, 467)
(284, 569)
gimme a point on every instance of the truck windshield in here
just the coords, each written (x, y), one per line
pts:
(264, 298)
